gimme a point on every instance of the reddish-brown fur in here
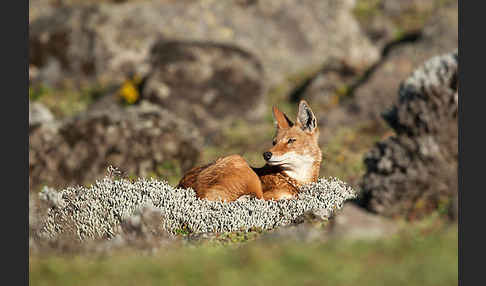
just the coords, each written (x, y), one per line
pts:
(225, 179)
(231, 177)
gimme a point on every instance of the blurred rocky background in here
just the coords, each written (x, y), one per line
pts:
(157, 87)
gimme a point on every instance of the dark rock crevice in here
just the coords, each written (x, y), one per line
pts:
(345, 71)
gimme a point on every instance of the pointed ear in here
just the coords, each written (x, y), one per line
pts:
(282, 120)
(306, 119)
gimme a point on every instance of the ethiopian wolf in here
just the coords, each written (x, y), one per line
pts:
(294, 160)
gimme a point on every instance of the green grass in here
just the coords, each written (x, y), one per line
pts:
(343, 154)
(67, 101)
(169, 170)
(418, 257)
(366, 9)
(411, 19)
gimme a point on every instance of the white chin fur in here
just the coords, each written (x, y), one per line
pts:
(298, 167)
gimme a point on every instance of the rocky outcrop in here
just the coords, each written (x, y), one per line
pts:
(208, 84)
(415, 172)
(354, 222)
(349, 222)
(105, 42)
(439, 36)
(347, 97)
(140, 138)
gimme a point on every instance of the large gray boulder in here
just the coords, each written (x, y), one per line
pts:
(105, 42)
(415, 172)
(208, 84)
(144, 139)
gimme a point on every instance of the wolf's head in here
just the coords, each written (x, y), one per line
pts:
(295, 146)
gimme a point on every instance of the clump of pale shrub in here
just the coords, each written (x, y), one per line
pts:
(115, 205)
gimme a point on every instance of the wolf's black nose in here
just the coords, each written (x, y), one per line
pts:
(267, 155)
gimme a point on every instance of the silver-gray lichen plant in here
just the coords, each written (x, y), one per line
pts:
(96, 212)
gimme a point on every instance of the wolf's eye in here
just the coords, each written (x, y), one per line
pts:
(274, 142)
(291, 140)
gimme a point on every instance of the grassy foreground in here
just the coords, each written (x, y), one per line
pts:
(417, 257)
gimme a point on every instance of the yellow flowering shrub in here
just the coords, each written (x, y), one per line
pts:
(129, 90)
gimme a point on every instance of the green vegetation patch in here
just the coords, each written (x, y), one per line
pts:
(169, 170)
(343, 154)
(412, 18)
(417, 257)
(67, 101)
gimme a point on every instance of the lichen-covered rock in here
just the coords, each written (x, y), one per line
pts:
(105, 42)
(415, 172)
(143, 138)
(205, 83)
(111, 206)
